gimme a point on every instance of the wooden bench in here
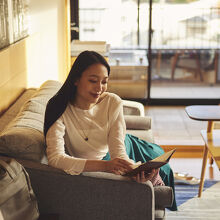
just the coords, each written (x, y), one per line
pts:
(212, 146)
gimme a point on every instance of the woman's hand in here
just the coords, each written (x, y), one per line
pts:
(154, 177)
(118, 166)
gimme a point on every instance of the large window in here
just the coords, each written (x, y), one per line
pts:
(185, 42)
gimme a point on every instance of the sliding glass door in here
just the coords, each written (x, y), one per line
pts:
(117, 23)
(178, 61)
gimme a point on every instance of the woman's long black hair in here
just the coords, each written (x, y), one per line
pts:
(57, 104)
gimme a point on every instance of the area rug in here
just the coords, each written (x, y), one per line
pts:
(204, 208)
(186, 192)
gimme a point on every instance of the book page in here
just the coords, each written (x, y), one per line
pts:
(133, 166)
(165, 157)
(146, 167)
(152, 164)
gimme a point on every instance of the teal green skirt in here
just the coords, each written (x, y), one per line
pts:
(140, 150)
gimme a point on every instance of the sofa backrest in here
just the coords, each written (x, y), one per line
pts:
(23, 136)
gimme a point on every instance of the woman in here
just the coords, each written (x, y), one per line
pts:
(85, 129)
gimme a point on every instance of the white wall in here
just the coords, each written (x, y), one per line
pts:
(46, 46)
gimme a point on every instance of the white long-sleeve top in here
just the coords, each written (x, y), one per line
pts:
(104, 126)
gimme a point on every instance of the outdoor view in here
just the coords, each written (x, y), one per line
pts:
(185, 44)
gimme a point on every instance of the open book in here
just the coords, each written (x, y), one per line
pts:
(152, 164)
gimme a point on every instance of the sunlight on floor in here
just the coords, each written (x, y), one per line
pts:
(193, 167)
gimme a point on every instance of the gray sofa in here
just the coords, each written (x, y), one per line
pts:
(92, 195)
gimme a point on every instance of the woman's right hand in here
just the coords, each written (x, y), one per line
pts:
(118, 166)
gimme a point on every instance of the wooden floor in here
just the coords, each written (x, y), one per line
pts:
(185, 90)
(171, 125)
(193, 166)
(173, 128)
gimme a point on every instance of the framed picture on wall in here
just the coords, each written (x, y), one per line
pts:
(4, 28)
(20, 19)
(14, 21)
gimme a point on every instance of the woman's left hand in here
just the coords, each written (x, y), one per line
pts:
(142, 177)
(153, 177)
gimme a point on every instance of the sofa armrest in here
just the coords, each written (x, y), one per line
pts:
(133, 108)
(163, 196)
(134, 122)
(90, 195)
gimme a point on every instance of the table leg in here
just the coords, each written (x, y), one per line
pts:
(210, 126)
(204, 162)
(209, 130)
(211, 161)
(174, 63)
(211, 173)
(198, 70)
(158, 63)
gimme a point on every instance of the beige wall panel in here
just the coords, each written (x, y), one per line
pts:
(13, 73)
(42, 56)
(47, 46)
(4, 67)
(12, 61)
(11, 90)
(18, 58)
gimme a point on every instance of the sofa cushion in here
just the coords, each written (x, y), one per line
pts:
(24, 143)
(14, 109)
(23, 137)
(137, 122)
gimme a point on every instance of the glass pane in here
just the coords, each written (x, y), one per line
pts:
(185, 45)
(110, 20)
(116, 22)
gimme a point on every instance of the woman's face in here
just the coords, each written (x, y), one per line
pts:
(91, 85)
